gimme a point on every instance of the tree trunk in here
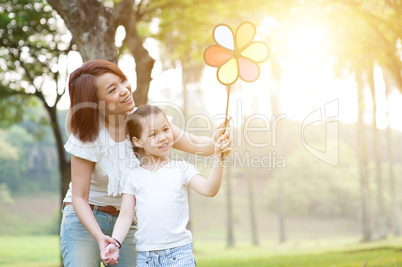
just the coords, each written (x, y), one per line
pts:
(92, 25)
(362, 149)
(191, 74)
(393, 183)
(143, 61)
(64, 164)
(381, 221)
(275, 100)
(229, 212)
(281, 209)
(251, 205)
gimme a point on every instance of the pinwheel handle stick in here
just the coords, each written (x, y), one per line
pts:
(227, 107)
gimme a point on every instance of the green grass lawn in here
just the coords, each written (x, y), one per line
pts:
(43, 251)
(315, 253)
(29, 251)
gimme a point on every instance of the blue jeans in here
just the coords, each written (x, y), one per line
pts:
(180, 256)
(78, 248)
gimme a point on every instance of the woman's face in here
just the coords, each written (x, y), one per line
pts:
(114, 95)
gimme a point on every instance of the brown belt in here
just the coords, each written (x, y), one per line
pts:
(108, 209)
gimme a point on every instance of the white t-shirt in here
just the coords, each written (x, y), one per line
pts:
(161, 205)
(112, 159)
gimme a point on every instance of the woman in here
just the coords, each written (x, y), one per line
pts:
(101, 99)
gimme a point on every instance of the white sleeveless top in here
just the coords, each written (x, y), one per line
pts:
(112, 160)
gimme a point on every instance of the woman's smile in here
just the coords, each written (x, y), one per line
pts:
(127, 100)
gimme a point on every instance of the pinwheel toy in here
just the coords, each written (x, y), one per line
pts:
(235, 55)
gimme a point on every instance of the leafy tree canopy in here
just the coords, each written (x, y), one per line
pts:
(31, 40)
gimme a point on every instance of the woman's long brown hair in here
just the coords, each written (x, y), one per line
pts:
(84, 110)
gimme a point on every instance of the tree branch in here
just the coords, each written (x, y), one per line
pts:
(355, 6)
(58, 96)
(37, 93)
(143, 61)
(139, 12)
(122, 12)
(397, 7)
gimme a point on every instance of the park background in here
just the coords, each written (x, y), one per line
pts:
(315, 175)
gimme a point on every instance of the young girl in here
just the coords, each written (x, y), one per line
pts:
(158, 191)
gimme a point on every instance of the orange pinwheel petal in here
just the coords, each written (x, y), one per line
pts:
(244, 34)
(257, 51)
(248, 70)
(228, 73)
(216, 56)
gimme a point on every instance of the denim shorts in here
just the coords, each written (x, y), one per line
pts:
(78, 248)
(179, 256)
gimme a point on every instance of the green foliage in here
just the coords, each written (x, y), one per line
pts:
(12, 108)
(8, 151)
(31, 42)
(314, 188)
(10, 170)
(185, 27)
(28, 41)
(26, 163)
(34, 44)
(5, 196)
(352, 27)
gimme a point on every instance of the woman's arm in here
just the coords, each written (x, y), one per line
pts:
(81, 171)
(202, 145)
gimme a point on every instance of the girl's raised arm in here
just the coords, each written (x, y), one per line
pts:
(210, 187)
(201, 145)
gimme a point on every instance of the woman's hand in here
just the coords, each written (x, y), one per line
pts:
(110, 254)
(106, 245)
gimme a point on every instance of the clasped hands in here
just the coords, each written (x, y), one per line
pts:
(110, 253)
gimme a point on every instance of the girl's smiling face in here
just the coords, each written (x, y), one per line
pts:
(156, 137)
(114, 94)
